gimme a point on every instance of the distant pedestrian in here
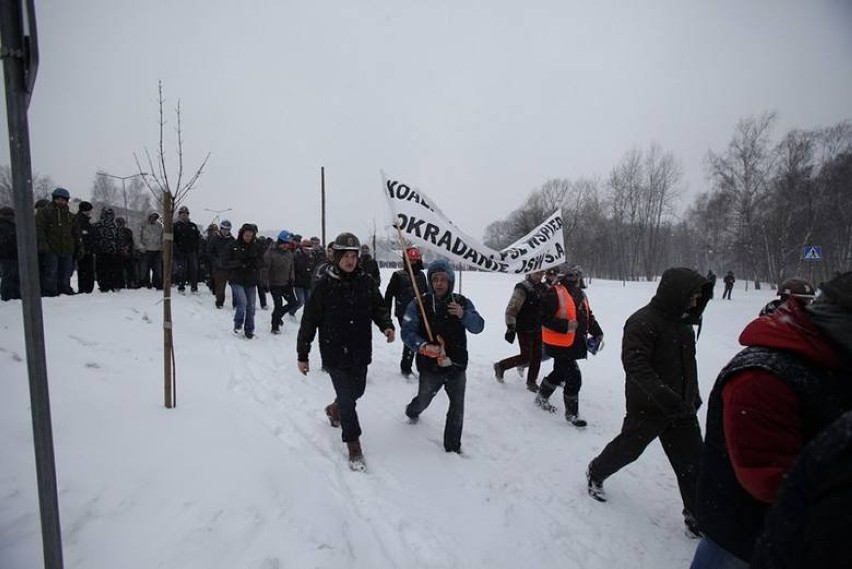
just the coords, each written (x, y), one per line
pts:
(86, 256)
(729, 281)
(711, 278)
(279, 268)
(369, 264)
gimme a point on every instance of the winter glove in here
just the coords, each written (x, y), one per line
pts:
(430, 350)
(303, 367)
(510, 334)
(594, 344)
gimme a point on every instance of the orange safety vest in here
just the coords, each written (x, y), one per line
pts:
(566, 310)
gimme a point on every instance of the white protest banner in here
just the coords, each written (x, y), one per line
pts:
(422, 223)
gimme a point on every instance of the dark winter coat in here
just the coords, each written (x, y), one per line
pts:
(658, 348)
(87, 235)
(808, 526)
(106, 233)
(218, 249)
(187, 237)
(8, 238)
(301, 268)
(371, 267)
(786, 354)
(278, 265)
(524, 310)
(586, 322)
(729, 280)
(125, 243)
(244, 261)
(56, 230)
(400, 289)
(451, 329)
(341, 308)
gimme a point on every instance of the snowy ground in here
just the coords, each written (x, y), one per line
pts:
(246, 472)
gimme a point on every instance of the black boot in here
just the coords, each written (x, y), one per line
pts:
(572, 411)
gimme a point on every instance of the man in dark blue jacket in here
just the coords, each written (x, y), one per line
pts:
(441, 348)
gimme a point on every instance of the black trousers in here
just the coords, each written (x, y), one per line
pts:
(681, 440)
(349, 384)
(279, 295)
(86, 273)
(530, 344)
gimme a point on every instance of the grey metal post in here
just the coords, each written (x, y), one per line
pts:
(20, 63)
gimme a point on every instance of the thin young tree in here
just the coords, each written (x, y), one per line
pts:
(169, 193)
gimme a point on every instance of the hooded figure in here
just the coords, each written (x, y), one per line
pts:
(792, 380)
(661, 387)
(442, 358)
(107, 259)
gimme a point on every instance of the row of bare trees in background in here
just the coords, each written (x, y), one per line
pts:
(767, 201)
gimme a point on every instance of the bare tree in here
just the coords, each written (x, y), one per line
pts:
(168, 192)
(42, 186)
(662, 173)
(741, 173)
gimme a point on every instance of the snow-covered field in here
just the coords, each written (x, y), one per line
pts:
(247, 473)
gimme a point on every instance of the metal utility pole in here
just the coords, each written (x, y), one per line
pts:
(123, 188)
(322, 189)
(19, 53)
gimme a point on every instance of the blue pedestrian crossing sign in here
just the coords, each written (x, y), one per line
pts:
(812, 253)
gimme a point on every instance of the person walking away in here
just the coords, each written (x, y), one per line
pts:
(151, 245)
(798, 289)
(244, 263)
(442, 359)
(400, 290)
(729, 281)
(661, 387)
(10, 284)
(58, 241)
(344, 302)
(792, 380)
(187, 240)
(279, 267)
(523, 319)
(567, 321)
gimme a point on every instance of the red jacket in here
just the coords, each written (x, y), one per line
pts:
(760, 407)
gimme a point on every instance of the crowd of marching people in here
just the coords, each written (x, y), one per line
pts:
(768, 485)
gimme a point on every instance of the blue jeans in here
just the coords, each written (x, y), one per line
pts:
(244, 297)
(709, 555)
(349, 384)
(453, 380)
(302, 297)
(56, 277)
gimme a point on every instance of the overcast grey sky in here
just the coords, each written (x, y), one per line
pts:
(475, 102)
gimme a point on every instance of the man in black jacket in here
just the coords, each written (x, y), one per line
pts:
(86, 256)
(369, 264)
(401, 290)
(10, 284)
(218, 249)
(344, 302)
(187, 241)
(244, 262)
(658, 354)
